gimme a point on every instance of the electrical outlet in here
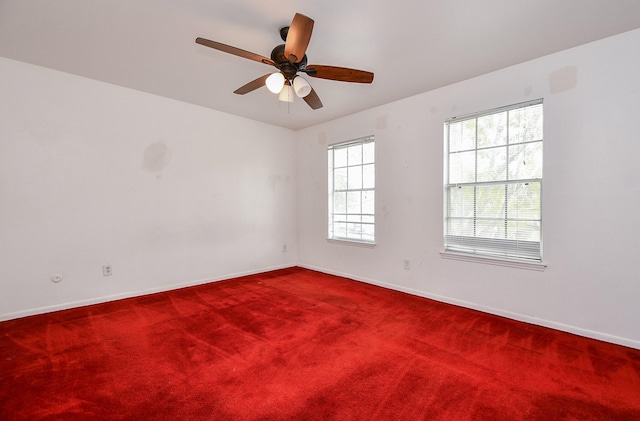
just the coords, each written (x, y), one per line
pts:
(107, 270)
(56, 278)
(407, 264)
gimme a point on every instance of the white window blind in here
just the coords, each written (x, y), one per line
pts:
(493, 182)
(352, 190)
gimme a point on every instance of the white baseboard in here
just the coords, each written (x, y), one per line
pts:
(130, 294)
(508, 314)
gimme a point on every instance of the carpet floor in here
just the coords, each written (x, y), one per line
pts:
(296, 344)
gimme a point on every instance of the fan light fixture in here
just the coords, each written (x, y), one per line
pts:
(286, 94)
(279, 84)
(275, 82)
(301, 86)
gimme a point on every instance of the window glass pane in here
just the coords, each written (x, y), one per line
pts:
(490, 228)
(340, 229)
(462, 135)
(525, 124)
(354, 231)
(354, 204)
(368, 153)
(525, 161)
(492, 130)
(461, 201)
(368, 232)
(340, 157)
(492, 164)
(368, 176)
(354, 218)
(523, 230)
(355, 155)
(462, 227)
(462, 168)
(368, 202)
(340, 179)
(340, 217)
(368, 218)
(524, 201)
(490, 201)
(355, 177)
(340, 202)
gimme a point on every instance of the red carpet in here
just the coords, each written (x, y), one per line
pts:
(300, 345)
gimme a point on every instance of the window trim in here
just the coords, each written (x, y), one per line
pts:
(535, 265)
(349, 242)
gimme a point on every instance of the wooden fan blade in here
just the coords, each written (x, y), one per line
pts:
(235, 51)
(342, 74)
(252, 86)
(298, 38)
(313, 100)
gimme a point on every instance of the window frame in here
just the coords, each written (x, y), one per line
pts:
(349, 219)
(478, 248)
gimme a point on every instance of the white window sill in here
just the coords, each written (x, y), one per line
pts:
(538, 266)
(356, 243)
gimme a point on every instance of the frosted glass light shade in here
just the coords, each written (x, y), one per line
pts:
(275, 82)
(301, 86)
(286, 94)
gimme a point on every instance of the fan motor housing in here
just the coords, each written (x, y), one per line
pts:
(288, 69)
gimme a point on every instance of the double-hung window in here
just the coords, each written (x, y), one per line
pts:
(493, 183)
(352, 190)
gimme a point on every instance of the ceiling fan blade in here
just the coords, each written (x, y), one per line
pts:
(235, 51)
(298, 38)
(342, 74)
(313, 100)
(252, 86)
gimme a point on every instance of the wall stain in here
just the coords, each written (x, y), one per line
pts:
(528, 90)
(385, 212)
(381, 123)
(563, 79)
(156, 157)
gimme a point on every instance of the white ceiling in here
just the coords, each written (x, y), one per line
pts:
(412, 46)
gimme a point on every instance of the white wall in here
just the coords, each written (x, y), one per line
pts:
(591, 194)
(166, 192)
(172, 194)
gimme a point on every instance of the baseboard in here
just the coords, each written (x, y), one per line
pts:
(490, 310)
(131, 294)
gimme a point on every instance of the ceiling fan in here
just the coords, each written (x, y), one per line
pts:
(290, 59)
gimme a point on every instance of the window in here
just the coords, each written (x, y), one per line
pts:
(493, 183)
(352, 190)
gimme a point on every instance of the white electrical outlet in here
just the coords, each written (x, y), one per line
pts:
(407, 264)
(56, 278)
(107, 270)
